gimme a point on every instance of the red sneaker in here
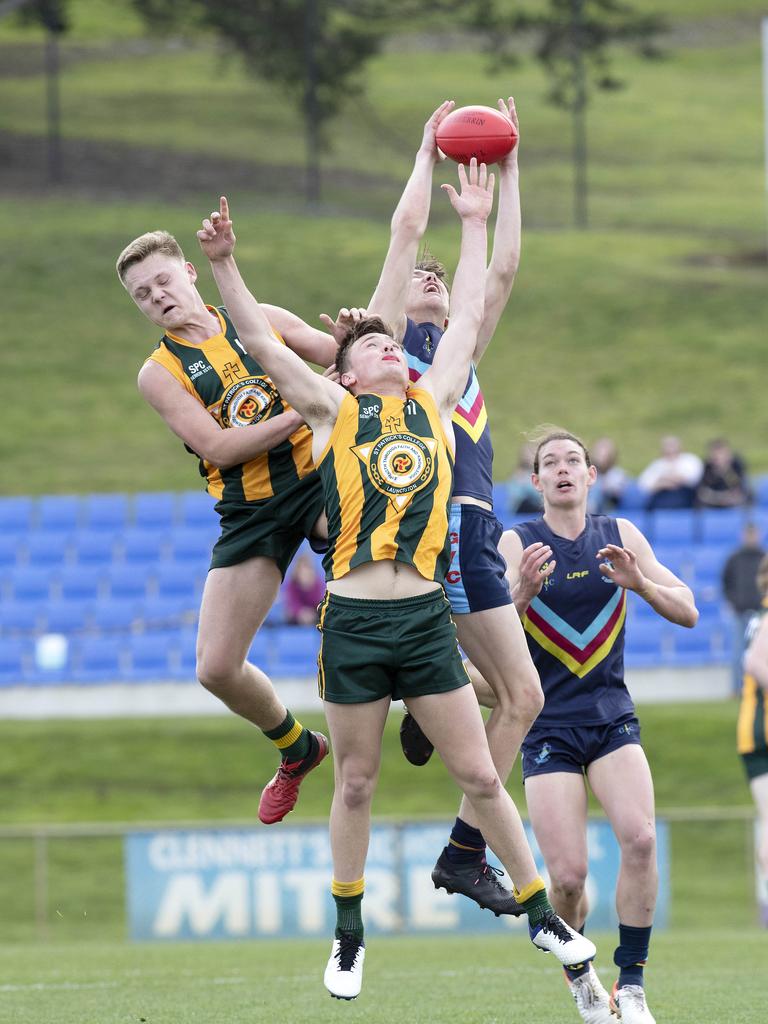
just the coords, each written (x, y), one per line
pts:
(280, 794)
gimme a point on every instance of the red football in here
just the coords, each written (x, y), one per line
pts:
(482, 132)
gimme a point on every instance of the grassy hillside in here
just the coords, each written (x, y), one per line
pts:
(653, 321)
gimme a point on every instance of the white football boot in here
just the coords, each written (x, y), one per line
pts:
(592, 1000)
(553, 935)
(629, 1005)
(344, 973)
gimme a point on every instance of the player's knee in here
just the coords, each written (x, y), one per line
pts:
(215, 671)
(640, 845)
(568, 880)
(531, 699)
(357, 789)
(481, 784)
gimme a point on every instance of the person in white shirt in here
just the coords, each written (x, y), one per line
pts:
(670, 481)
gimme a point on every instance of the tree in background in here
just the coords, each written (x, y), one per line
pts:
(52, 15)
(315, 49)
(573, 41)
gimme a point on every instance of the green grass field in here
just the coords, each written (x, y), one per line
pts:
(693, 977)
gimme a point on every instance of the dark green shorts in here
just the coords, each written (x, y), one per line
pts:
(273, 528)
(755, 763)
(397, 649)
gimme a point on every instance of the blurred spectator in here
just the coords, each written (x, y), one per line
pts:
(605, 493)
(302, 592)
(522, 495)
(671, 480)
(724, 481)
(742, 592)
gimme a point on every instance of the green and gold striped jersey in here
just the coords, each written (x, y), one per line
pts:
(752, 726)
(237, 392)
(387, 473)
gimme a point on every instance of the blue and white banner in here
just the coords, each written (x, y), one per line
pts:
(275, 883)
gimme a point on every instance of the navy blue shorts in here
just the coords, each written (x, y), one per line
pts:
(476, 579)
(548, 749)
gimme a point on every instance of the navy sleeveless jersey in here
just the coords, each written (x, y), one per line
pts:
(473, 471)
(575, 628)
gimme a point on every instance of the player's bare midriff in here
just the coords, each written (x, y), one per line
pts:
(382, 581)
(465, 499)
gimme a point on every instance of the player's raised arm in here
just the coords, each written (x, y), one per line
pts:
(409, 222)
(505, 257)
(317, 398)
(447, 376)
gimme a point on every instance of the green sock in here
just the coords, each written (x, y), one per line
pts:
(349, 908)
(534, 901)
(291, 738)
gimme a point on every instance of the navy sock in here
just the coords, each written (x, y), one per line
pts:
(465, 844)
(632, 953)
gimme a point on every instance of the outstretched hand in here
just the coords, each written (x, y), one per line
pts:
(344, 322)
(620, 565)
(510, 113)
(429, 141)
(217, 237)
(476, 197)
(536, 565)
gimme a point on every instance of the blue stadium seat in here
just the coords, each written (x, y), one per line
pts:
(46, 548)
(260, 652)
(105, 512)
(760, 487)
(114, 614)
(58, 512)
(698, 646)
(14, 658)
(94, 548)
(167, 612)
(197, 510)
(178, 580)
(672, 526)
(632, 498)
(192, 545)
(678, 558)
(81, 582)
(98, 660)
(188, 654)
(20, 616)
(66, 616)
(644, 643)
(143, 546)
(152, 656)
(721, 526)
(16, 514)
(707, 565)
(125, 581)
(11, 549)
(30, 582)
(155, 510)
(294, 650)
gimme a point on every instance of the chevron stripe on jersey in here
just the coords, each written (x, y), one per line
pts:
(470, 414)
(237, 392)
(581, 651)
(473, 472)
(387, 477)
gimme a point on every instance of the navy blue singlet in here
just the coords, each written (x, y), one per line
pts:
(575, 628)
